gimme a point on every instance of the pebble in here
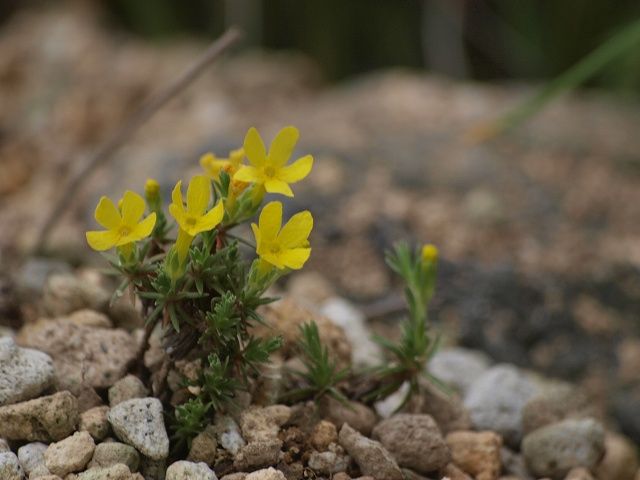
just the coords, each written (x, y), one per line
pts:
(458, 367)
(152, 469)
(555, 402)
(356, 414)
(372, 458)
(111, 453)
(579, 473)
(69, 455)
(333, 460)
(31, 458)
(323, 434)
(620, 460)
(228, 434)
(266, 474)
(139, 422)
(24, 373)
(263, 423)
(365, 352)
(82, 355)
(90, 318)
(553, 450)
(127, 388)
(414, 440)
(64, 294)
(53, 417)
(95, 422)
(496, 399)
(446, 408)
(204, 446)
(477, 453)
(4, 446)
(113, 472)
(258, 454)
(183, 470)
(10, 468)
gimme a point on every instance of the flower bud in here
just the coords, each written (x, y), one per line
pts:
(152, 194)
(429, 253)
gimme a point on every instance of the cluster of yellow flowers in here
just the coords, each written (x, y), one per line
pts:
(277, 246)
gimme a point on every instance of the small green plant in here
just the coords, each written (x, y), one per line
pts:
(407, 358)
(321, 375)
(195, 282)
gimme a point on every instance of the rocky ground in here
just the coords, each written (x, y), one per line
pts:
(539, 232)
(74, 404)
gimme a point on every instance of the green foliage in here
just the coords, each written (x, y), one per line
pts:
(321, 375)
(407, 358)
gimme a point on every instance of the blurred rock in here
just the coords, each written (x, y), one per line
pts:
(127, 388)
(620, 461)
(458, 367)
(356, 414)
(95, 422)
(64, 294)
(477, 453)
(372, 458)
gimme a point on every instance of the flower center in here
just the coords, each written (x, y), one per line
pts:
(274, 248)
(269, 171)
(191, 221)
(124, 231)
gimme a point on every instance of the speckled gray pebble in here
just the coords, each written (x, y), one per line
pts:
(24, 372)
(183, 470)
(10, 468)
(139, 422)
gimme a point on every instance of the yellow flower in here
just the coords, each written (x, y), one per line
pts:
(213, 165)
(194, 219)
(270, 170)
(122, 226)
(283, 247)
(429, 253)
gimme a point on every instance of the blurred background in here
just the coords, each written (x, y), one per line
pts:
(539, 226)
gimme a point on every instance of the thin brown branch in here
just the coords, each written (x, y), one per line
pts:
(149, 107)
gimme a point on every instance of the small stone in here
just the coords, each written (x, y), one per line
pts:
(446, 409)
(235, 476)
(356, 414)
(263, 423)
(95, 422)
(64, 294)
(331, 461)
(90, 318)
(341, 476)
(620, 460)
(4, 446)
(579, 473)
(127, 388)
(310, 287)
(49, 477)
(24, 373)
(69, 455)
(372, 458)
(10, 468)
(414, 440)
(496, 400)
(452, 472)
(153, 469)
(554, 403)
(112, 472)
(82, 355)
(513, 464)
(31, 458)
(204, 446)
(111, 453)
(324, 434)
(266, 474)
(553, 450)
(477, 453)
(458, 367)
(183, 470)
(87, 397)
(53, 417)
(228, 434)
(140, 423)
(258, 454)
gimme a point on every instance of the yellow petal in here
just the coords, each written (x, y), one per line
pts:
(297, 170)
(256, 234)
(212, 165)
(183, 242)
(235, 157)
(133, 207)
(273, 259)
(211, 219)
(176, 194)
(254, 148)
(144, 228)
(283, 145)
(296, 231)
(102, 241)
(178, 212)
(295, 258)
(107, 214)
(270, 221)
(249, 175)
(278, 186)
(198, 195)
